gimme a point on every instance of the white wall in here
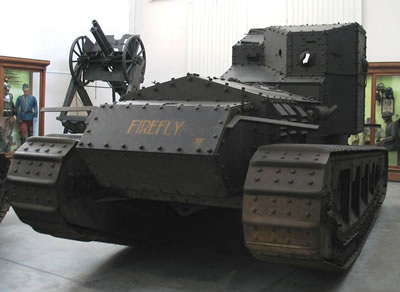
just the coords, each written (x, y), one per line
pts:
(382, 22)
(45, 29)
(163, 27)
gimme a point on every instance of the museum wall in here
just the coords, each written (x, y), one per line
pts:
(180, 35)
(196, 36)
(381, 21)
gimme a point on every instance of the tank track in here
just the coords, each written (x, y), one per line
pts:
(52, 190)
(32, 179)
(312, 205)
(4, 203)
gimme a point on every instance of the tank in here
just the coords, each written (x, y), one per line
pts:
(268, 139)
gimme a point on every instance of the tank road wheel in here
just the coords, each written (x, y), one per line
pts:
(4, 204)
(77, 60)
(133, 54)
(312, 205)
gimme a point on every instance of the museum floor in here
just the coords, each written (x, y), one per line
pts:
(30, 261)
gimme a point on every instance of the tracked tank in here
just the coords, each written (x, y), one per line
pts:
(268, 139)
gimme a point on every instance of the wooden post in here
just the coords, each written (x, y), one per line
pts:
(42, 100)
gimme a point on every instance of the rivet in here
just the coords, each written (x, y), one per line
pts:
(254, 210)
(52, 165)
(27, 171)
(89, 144)
(179, 149)
(102, 105)
(257, 179)
(64, 146)
(315, 159)
(127, 106)
(141, 147)
(293, 171)
(37, 172)
(123, 146)
(50, 173)
(144, 106)
(255, 199)
(308, 215)
(259, 170)
(289, 201)
(40, 163)
(198, 149)
(215, 136)
(81, 143)
(106, 145)
(37, 149)
(276, 180)
(30, 143)
(159, 148)
(312, 172)
(161, 107)
(278, 170)
(288, 213)
(59, 151)
(15, 170)
(273, 211)
(209, 150)
(19, 162)
(95, 118)
(42, 144)
(310, 183)
(51, 145)
(290, 181)
(30, 162)
(111, 106)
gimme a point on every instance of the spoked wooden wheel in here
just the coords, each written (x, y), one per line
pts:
(134, 54)
(77, 61)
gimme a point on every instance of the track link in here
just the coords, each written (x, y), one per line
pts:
(312, 205)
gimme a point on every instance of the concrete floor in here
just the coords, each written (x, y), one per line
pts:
(30, 261)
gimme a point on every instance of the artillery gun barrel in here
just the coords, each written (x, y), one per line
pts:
(101, 39)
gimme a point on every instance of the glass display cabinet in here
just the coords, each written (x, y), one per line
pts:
(382, 112)
(17, 74)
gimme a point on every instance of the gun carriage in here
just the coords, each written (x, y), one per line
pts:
(120, 63)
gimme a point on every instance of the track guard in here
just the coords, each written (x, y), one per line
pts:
(299, 207)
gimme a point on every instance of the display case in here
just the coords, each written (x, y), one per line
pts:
(383, 112)
(17, 73)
